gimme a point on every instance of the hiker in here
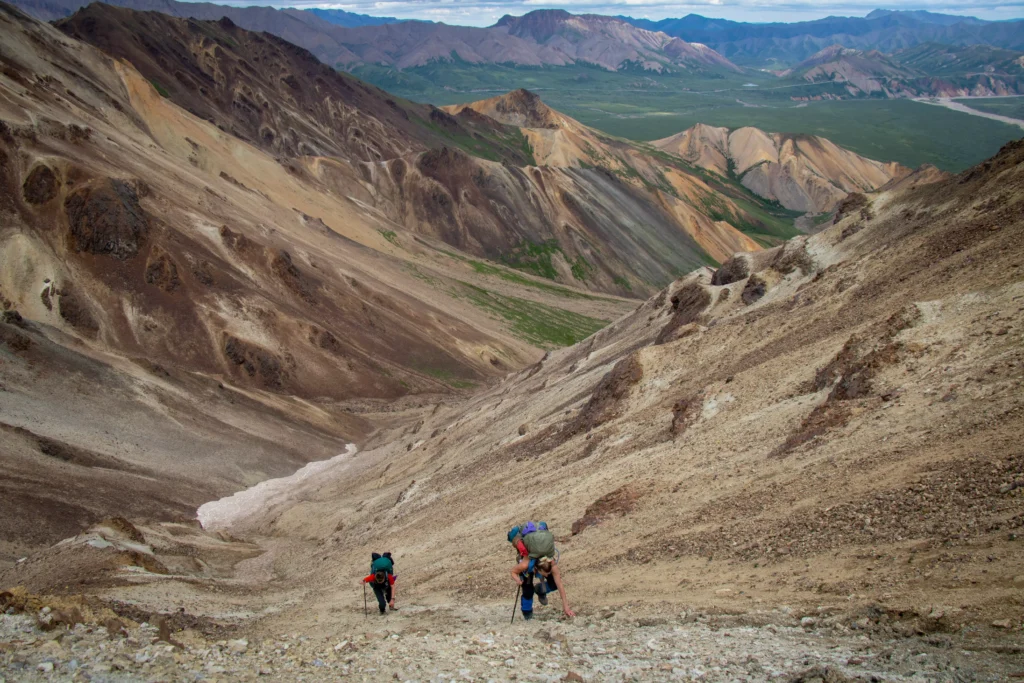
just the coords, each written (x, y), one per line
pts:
(382, 580)
(535, 545)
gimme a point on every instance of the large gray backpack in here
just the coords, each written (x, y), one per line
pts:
(540, 543)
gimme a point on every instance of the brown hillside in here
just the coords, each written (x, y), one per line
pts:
(827, 427)
(801, 172)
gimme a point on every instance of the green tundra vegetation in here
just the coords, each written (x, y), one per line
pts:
(641, 105)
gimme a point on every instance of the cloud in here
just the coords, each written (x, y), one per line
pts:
(485, 12)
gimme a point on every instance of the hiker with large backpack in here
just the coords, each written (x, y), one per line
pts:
(535, 546)
(382, 580)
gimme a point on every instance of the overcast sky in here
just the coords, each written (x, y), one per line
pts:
(486, 12)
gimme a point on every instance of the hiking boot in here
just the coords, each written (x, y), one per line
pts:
(543, 597)
(527, 615)
(383, 611)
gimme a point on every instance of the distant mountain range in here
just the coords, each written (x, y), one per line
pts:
(541, 38)
(350, 19)
(750, 44)
(886, 54)
(927, 69)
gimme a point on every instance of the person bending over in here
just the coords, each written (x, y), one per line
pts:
(550, 580)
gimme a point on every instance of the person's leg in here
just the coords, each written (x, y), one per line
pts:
(388, 593)
(526, 602)
(381, 602)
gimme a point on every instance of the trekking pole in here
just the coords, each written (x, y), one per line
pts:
(515, 603)
(365, 613)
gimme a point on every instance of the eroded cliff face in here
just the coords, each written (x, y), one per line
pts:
(801, 172)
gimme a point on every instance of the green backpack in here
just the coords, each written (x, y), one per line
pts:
(539, 544)
(382, 564)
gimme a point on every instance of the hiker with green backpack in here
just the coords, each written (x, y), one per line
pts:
(382, 580)
(535, 545)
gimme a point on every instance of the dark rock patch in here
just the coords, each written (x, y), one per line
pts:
(859, 360)
(75, 311)
(79, 134)
(685, 413)
(236, 241)
(850, 374)
(605, 403)
(41, 185)
(123, 526)
(328, 342)
(853, 202)
(826, 417)
(292, 277)
(733, 270)
(257, 362)
(201, 271)
(14, 339)
(755, 288)
(161, 271)
(688, 304)
(106, 218)
(794, 256)
(621, 501)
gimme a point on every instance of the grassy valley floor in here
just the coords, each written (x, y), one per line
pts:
(645, 106)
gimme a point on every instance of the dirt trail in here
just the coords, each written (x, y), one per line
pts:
(949, 103)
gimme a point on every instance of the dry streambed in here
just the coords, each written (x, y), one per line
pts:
(462, 643)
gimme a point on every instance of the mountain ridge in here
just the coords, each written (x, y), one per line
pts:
(751, 44)
(926, 70)
(412, 43)
(802, 172)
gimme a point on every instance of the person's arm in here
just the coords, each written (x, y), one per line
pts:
(557, 576)
(394, 591)
(519, 569)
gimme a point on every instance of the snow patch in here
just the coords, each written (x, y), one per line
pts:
(220, 514)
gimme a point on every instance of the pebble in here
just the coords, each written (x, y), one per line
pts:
(238, 646)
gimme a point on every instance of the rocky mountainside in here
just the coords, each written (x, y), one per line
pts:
(213, 221)
(804, 463)
(273, 94)
(972, 70)
(176, 298)
(607, 215)
(830, 424)
(801, 172)
(883, 30)
(926, 70)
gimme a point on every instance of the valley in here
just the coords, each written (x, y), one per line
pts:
(649, 106)
(751, 345)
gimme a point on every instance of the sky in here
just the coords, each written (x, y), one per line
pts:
(486, 12)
